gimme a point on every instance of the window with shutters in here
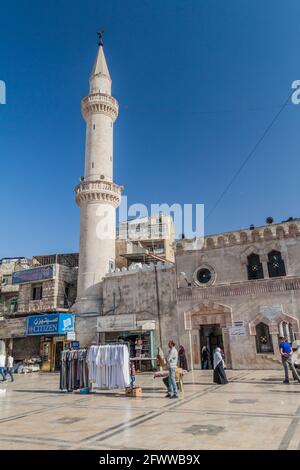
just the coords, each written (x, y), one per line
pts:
(276, 265)
(255, 269)
(263, 339)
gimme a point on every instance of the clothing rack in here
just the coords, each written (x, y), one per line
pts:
(109, 368)
(74, 372)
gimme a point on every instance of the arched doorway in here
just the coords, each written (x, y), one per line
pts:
(208, 324)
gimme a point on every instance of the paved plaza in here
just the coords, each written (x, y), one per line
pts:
(254, 411)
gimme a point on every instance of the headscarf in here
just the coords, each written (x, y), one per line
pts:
(218, 358)
(182, 358)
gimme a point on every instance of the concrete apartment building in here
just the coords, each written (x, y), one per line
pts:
(145, 240)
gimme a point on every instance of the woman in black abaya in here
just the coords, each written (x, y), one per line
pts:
(219, 372)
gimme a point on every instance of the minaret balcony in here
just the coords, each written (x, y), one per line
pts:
(100, 103)
(98, 191)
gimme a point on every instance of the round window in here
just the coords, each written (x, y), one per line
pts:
(204, 275)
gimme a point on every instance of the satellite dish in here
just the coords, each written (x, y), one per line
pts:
(269, 220)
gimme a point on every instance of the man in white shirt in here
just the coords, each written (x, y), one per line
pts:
(10, 366)
(172, 360)
(2, 367)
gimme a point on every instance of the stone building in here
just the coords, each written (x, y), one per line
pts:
(43, 286)
(138, 303)
(240, 291)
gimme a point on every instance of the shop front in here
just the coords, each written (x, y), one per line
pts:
(53, 332)
(138, 335)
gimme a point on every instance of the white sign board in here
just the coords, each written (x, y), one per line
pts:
(237, 331)
(239, 323)
(122, 322)
(71, 336)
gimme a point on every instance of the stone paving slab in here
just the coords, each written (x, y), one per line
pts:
(254, 411)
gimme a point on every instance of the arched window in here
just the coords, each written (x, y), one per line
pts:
(255, 269)
(286, 331)
(276, 266)
(263, 339)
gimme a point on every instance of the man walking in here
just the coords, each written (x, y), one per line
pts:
(286, 357)
(10, 366)
(172, 360)
(2, 367)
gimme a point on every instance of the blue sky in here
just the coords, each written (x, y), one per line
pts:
(198, 82)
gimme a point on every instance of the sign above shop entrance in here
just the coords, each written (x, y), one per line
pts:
(123, 322)
(52, 323)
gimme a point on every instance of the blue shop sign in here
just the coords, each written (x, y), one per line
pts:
(35, 274)
(50, 324)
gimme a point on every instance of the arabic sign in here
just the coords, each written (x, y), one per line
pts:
(124, 322)
(50, 324)
(32, 275)
(237, 331)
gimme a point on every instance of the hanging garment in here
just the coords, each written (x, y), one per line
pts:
(74, 372)
(109, 366)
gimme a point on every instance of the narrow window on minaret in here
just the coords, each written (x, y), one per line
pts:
(94, 127)
(93, 165)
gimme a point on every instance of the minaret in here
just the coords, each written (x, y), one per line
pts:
(97, 195)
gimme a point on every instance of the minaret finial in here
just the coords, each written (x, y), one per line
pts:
(100, 36)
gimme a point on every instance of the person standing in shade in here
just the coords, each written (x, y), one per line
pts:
(172, 360)
(286, 358)
(182, 360)
(219, 372)
(2, 367)
(204, 356)
(10, 366)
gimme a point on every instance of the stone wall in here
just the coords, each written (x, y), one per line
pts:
(134, 291)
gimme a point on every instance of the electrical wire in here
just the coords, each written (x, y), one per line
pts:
(248, 157)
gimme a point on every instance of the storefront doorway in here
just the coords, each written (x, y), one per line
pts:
(211, 337)
(59, 347)
(140, 345)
